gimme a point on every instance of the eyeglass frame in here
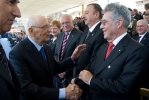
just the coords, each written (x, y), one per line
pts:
(42, 27)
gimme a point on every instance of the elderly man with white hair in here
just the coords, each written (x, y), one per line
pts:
(35, 66)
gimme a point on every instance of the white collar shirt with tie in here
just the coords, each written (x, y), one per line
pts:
(141, 36)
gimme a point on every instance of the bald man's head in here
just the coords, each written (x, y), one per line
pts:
(34, 20)
(38, 29)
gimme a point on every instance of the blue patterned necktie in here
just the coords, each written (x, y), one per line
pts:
(43, 55)
(88, 34)
(4, 60)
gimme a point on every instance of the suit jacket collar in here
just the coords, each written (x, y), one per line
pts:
(5, 75)
(144, 39)
(70, 39)
(119, 48)
(34, 53)
(91, 35)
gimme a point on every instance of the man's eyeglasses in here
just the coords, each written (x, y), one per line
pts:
(65, 23)
(141, 26)
(43, 27)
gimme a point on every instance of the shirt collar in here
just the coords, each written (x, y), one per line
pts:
(116, 41)
(93, 27)
(38, 47)
(142, 34)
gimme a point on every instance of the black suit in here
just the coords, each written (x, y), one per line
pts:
(35, 76)
(145, 42)
(93, 42)
(137, 17)
(9, 89)
(118, 77)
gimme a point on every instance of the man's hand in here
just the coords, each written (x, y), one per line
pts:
(72, 81)
(73, 92)
(85, 76)
(62, 75)
(76, 53)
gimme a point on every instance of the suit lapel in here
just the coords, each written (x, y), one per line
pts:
(60, 41)
(5, 75)
(34, 54)
(101, 57)
(144, 39)
(93, 33)
(83, 36)
(118, 49)
(70, 39)
(48, 56)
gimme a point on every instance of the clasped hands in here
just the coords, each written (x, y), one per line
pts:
(73, 92)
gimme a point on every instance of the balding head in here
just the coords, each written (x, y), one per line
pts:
(38, 29)
(67, 22)
(66, 16)
(142, 26)
(34, 20)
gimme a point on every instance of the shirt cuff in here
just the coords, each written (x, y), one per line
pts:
(62, 93)
(90, 81)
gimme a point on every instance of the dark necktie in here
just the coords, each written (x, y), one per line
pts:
(110, 48)
(139, 38)
(88, 34)
(63, 45)
(43, 55)
(4, 60)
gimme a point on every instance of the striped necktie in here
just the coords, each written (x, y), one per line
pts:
(63, 45)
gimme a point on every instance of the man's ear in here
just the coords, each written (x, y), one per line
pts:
(97, 14)
(31, 31)
(119, 23)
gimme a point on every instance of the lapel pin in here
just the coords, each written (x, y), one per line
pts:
(119, 50)
(92, 34)
(109, 66)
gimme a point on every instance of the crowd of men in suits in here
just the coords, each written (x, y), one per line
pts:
(101, 62)
(14, 37)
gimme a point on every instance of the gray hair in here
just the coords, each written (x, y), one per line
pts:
(119, 12)
(144, 21)
(67, 15)
(32, 21)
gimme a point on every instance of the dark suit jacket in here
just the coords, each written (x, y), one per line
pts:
(144, 41)
(137, 17)
(70, 46)
(52, 45)
(35, 76)
(118, 77)
(9, 89)
(93, 42)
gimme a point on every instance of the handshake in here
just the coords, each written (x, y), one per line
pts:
(73, 92)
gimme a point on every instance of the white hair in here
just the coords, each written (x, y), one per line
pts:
(32, 21)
